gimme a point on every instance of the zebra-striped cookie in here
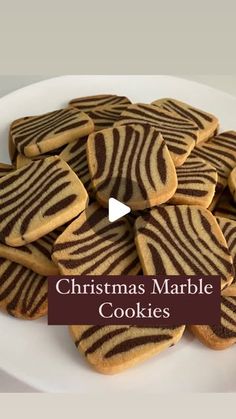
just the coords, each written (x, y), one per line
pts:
(220, 336)
(220, 152)
(91, 245)
(232, 183)
(23, 293)
(206, 122)
(111, 349)
(37, 199)
(105, 117)
(226, 207)
(228, 228)
(183, 240)
(35, 256)
(91, 103)
(5, 169)
(75, 155)
(196, 183)
(13, 153)
(35, 135)
(180, 134)
(131, 164)
(22, 160)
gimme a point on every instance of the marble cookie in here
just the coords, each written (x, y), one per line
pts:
(13, 153)
(228, 228)
(37, 199)
(180, 134)
(223, 335)
(196, 183)
(35, 256)
(91, 245)
(225, 206)
(232, 184)
(183, 240)
(220, 152)
(23, 293)
(111, 349)
(75, 155)
(106, 117)
(5, 169)
(91, 103)
(35, 135)
(131, 164)
(206, 122)
(22, 160)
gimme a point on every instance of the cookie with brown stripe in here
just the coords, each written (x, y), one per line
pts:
(232, 183)
(13, 153)
(5, 169)
(91, 103)
(206, 122)
(183, 240)
(220, 152)
(35, 135)
(196, 183)
(228, 228)
(111, 349)
(22, 160)
(23, 293)
(180, 134)
(131, 164)
(105, 117)
(75, 155)
(35, 256)
(37, 199)
(223, 335)
(225, 206)
(103, 109)
(91, 245)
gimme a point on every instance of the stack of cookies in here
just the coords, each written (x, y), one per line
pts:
(168, 163)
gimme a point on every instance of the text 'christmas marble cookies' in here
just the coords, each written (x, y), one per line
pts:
(223, 335)
(131, 164)
(220, 152)
(35, 256)
(196, 183)
(180, 134)
(206, 122)
(228, 228)
(5, 169)
(37, 199)
(34, 135)
(225, 206)
(75, 155)
(183, 240)
(23, 293)
(91, 245)
(111, 349)
(232, 183)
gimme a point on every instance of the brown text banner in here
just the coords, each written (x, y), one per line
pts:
(133, 300)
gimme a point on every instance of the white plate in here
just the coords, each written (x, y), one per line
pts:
(44, 356)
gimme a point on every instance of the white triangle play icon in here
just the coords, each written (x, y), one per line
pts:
(116, 209)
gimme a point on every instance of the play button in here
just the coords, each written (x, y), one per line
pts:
(116, 209)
